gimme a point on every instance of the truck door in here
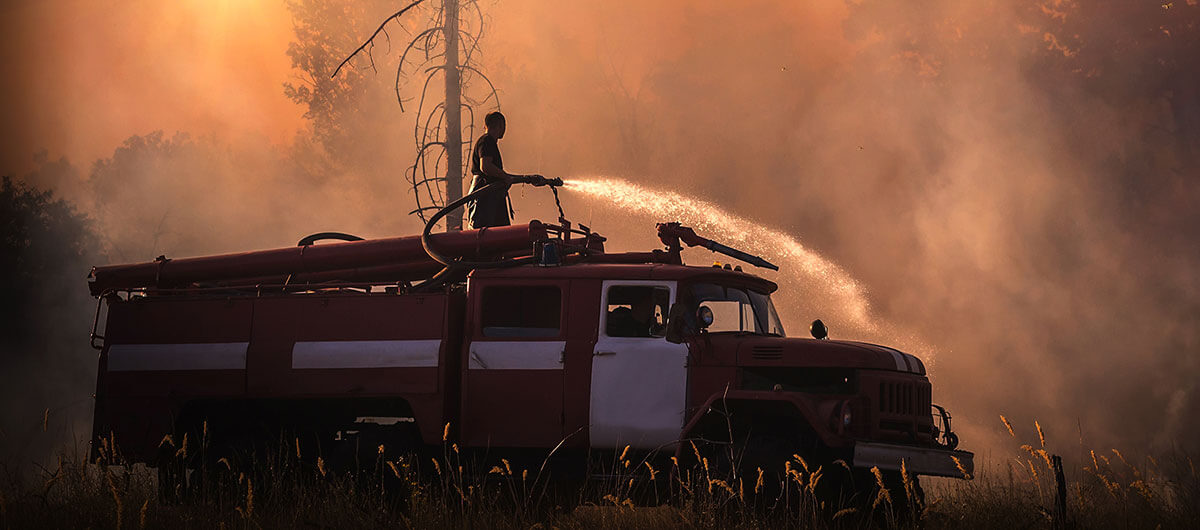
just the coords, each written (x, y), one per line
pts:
(513, 385)
(639, 380)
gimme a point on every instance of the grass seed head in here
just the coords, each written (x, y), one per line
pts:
(802, 462)
(1041, 435)
(723, 485)
(1142, 489)
(1008, 426)
(1122, 457)
(961, 469)
(878, 477)
(249, 498)
(1046, 457)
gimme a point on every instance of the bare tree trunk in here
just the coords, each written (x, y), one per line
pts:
(454, 143)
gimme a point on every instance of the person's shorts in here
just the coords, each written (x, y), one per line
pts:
(490, 209)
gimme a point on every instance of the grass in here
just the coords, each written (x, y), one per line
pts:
(288, 488)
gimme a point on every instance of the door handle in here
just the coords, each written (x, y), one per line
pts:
(599, 353)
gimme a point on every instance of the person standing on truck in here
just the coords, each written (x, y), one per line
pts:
(494, 208)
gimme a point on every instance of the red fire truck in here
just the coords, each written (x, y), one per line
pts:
(514, 339)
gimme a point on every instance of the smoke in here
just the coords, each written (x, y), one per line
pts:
(1011, 181)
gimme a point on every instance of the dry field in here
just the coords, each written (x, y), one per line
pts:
(290, 489)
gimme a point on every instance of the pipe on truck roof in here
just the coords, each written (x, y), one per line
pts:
(396, 253)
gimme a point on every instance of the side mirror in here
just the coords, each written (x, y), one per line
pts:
(818, 330)
(678, 325)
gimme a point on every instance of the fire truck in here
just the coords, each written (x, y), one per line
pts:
(526, 339)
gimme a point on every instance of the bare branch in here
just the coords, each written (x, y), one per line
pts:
(437, 131)
(413, 43)
(373, 35)
(474, 45)
(421, 210)
(493, 94)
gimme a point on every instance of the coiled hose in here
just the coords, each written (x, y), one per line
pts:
(455, 264)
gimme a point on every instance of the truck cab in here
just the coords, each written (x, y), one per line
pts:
(581, 354)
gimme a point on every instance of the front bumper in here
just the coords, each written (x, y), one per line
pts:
(917, 460)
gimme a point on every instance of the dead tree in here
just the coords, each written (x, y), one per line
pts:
(447, 48)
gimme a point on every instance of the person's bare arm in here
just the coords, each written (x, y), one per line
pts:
(489, 168)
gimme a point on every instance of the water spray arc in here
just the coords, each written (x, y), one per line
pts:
(825, 287)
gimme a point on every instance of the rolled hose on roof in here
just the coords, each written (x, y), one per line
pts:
(387, 259)
(452, 265)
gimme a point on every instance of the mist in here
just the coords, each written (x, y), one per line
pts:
(1012, 184)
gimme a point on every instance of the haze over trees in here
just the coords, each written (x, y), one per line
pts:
(43, 242)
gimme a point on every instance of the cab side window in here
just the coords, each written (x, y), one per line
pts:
(521, 311)
(636, 311)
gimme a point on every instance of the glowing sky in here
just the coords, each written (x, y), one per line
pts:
(205, 66)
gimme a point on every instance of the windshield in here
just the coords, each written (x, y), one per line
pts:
(737, 309)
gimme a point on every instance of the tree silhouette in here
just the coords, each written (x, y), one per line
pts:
(43, 242)
(448, 47)
(46, 247)
(338, 109)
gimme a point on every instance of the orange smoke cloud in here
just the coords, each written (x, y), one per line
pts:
(1023, 203)
(86, 75)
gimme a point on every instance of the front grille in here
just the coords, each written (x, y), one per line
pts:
(767, 353)
(904, 398)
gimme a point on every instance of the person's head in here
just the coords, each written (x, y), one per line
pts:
(642, 309)
(494, 122)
